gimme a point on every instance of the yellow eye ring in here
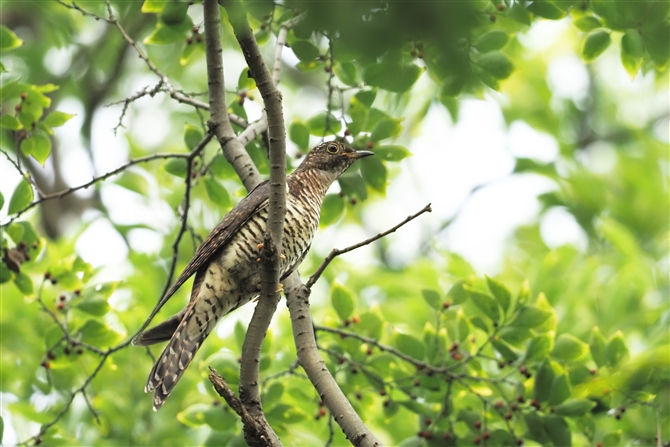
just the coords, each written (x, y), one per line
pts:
(332, 149)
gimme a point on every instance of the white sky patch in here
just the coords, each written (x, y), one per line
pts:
(559, 227)
(568, 78)
(58, 60)
(100, 244)
(526, 142)
(543, 34)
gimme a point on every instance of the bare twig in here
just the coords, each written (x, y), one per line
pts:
(336, 252)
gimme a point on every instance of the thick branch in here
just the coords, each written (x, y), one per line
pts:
(218, 121)
(297, 297)
(270, 255)
(336, 252)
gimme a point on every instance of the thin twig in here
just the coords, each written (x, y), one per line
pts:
(336, 252)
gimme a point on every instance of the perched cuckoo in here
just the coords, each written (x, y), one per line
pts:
(227, 274)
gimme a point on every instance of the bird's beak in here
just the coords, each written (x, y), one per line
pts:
(360, 154)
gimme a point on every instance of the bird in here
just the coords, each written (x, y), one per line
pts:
(226, 267)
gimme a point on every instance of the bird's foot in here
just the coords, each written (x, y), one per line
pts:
(281, 256)
(280, 289)
(259, 246)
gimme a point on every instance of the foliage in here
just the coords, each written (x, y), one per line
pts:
(563, 346)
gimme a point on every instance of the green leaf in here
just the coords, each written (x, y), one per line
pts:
(558, 430)
(493, 40)
(544, 377)
(217, 193)
(375, 174)
(540, 346)
(57, 119)
(193, 416)
(163, 35)
(597, 344)
(410, 345)
(323, 124)
(560, 389)
(348, 73)
(632, 51)
(569, 348)
(192, 136)
(386, 128)
(370, 324)
(331, 209)
(97, 333)
(504, 349)
(176, 166)
(545, 9)
(595, 44)
(366, 97)
(305, 51)
(586, 23)
(657, 43)
(353, 185)
(23, 283)
(457, 293)
(432, 298)
(392, 76)
(612, 438)
(8, 40)
(153, 6)
(285, 414)
(21, 197)
(94, 306)
(41, 146)
(484, 302)
(536, 429)
(299, 133)
(392, 153)
(616, 350)
(9, 122)
(174, 12)
(496, 64)
(500, 292)
(520, 14)
(530, 317)
(574, 407)
(342, 301)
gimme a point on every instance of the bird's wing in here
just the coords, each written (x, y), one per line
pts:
(231, 222)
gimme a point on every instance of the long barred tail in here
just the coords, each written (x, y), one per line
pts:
(175, 358)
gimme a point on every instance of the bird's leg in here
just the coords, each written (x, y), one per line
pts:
(280, 289)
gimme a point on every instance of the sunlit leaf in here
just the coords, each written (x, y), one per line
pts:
(432, 298)
(304, 50)
(323, 124)
(616, 350)
(392, 153)
(568, 348)
(299, 133)
(9, 122)
(342, 301)
(410, 345)
(560, 389)
(574, 407)
(392, 76)
(21, 197)
(496, 64)
(57, 119)
(375, 174)
(8, 40)
(586, 23)
(493, 40)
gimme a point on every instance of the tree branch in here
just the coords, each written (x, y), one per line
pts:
(261, 434)
(336, 252)
(272, 240)
(297, 297)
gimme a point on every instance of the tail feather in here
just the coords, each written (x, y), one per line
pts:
(161, 332)
(174, 360)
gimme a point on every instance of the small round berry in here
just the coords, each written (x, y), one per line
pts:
(358, 395)
(370, 144)
(446, 305)
(500, 7)
(355, 319)
(382, 392)
(477, 440)
(486, 435)
(322, 412)
(198, 38)
(478, 424)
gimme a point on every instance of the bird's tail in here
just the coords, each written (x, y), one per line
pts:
(176, 356)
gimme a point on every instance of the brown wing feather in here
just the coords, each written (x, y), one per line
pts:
(223, 232)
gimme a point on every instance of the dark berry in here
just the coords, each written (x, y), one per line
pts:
(477, 440)
(382, 392)
(478, 424)
(446, 305)
(370, 144)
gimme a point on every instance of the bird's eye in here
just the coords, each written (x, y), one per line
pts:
(332, 149)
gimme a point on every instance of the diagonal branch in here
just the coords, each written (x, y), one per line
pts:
(336, 252)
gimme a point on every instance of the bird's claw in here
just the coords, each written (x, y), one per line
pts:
(259, 246)
(281, 256)
(280, 289)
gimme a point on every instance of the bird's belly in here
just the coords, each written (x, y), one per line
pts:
(233, 278)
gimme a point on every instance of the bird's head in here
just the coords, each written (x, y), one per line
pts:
(332, 157)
